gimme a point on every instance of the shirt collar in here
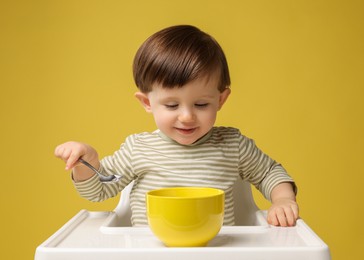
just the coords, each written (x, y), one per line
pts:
(198, 142)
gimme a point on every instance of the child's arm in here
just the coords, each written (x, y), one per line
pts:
(284, 209)
(70, 152)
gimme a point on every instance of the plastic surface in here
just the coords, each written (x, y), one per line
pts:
(82, 238)
(101, 235)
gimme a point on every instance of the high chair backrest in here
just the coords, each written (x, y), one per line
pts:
(244, 206)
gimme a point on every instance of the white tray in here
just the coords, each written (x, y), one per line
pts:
(88, 235)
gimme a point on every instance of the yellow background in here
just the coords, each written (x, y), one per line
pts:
(297, 89)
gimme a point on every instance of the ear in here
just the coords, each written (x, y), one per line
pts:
(223, 97)
(144, 100)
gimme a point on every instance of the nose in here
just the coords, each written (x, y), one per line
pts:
(187, 116)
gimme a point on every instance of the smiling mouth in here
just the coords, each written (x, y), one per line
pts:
(185, 130)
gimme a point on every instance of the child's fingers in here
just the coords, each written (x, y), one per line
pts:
(281, 216)
(272, 219)
(72, 160)
(69, 152)
(62, 152)
(290, 216)
(58, 151)
(295, 210)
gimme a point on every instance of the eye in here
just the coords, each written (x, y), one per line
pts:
(171, 106)
(201, 105)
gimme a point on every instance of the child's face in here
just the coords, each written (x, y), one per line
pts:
(185, 114)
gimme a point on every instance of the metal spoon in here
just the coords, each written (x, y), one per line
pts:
(103, 178)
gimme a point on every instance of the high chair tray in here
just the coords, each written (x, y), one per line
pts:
(84, 237)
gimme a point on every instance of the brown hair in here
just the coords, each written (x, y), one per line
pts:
(177, 55)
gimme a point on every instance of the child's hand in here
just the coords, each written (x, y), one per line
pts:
(284, 209)
(70, 152)
(283, 212)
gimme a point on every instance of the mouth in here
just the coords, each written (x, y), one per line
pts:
(186, 131)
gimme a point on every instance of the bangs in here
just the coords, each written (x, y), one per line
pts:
(176, 56)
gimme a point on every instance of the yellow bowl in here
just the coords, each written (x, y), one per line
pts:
(185, 216)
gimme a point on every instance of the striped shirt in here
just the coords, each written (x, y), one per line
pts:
(155, 161)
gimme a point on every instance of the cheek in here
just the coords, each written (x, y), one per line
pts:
(162, 118)
(212, 119)
(210, 116)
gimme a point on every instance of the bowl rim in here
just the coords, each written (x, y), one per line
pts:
(219, 192)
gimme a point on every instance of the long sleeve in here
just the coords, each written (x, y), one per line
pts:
(259, 169)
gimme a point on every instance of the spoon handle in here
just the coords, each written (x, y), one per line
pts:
(104, 179)
(89, 165)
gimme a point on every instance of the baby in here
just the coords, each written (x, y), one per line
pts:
(183, 81)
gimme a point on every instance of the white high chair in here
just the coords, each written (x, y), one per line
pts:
(109, 236)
